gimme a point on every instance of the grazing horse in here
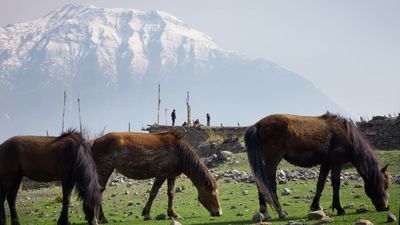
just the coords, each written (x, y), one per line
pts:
(328, 140)
(162, 155)
(66, 158)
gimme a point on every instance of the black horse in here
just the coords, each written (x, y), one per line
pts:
(67, 158)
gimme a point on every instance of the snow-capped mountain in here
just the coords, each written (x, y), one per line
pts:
(114, 58)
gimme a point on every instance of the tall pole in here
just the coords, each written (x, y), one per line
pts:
(80, 118)
(159, 102)
(188, 109)
(166, 116)
(63, 114)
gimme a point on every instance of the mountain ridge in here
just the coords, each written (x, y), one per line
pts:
(114, 58)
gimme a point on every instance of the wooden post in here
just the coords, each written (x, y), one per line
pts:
(159, 102)
(129, 127)
(63, 114)
(80, 118)
(188, 109)
(47, 133)
(166, 116)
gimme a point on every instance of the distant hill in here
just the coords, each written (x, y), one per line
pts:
(114, 58)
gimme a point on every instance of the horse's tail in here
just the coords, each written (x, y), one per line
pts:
(85, 177)
(257, 165)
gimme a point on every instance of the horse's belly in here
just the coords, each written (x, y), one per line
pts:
(307, 158)
(138, 166)
(40, 168)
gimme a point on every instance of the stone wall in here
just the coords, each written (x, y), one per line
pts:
(198, 135)
(383, 132)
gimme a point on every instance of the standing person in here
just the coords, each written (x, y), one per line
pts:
(173, 117)
(208, 119)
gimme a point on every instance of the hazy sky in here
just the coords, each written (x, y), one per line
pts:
(350, 49)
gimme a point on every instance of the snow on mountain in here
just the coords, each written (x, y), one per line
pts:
(114, 58)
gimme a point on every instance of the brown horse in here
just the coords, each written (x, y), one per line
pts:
(66, 158)
(162, 155)
(328, 140)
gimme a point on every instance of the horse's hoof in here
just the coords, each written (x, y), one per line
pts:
(175, 216)
(282, 214)
(15, 222)
(103, 220)
(267, 218)
(315, 207)
(146, 217)
(341, 212)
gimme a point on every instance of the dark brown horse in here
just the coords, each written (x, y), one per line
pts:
(328, 140)
(66, 158)
(163, 156)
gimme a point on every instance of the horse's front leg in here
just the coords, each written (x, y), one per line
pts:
(153, 193)
(66, 189)
(335, 176)
(171, 188)
(323, 174)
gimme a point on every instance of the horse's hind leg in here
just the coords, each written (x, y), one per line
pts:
(263, 206)
(323, 174)
(171, 186)
(66, 189)
(335, 176)
(271, 172)
(104, 170)
(11, 197)
(153, 193)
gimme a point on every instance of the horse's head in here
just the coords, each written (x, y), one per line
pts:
(209, 198)
(376, 191)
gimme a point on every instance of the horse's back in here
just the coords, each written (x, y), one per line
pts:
(302, 140)
(36, 157)
(137, 155)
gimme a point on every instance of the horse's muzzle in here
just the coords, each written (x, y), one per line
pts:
(217, 213)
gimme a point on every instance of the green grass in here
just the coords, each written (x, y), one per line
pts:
(43, 207)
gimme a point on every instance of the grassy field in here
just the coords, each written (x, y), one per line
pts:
(43, 207)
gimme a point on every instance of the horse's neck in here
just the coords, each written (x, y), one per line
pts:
(194, 173)
(367, 169)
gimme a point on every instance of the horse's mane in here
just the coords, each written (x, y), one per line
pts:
(191, 160)
(364, 155)
(73, 133)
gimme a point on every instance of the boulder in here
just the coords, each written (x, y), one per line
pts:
(316, 215)
(364, 222)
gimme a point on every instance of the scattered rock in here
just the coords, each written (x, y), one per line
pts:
(358, 186)
(174, 222)
(349, 206)
(245, 192)
(361, 210)
(316, 215)
(357, 196)
(364, 222)
(240, 214)
(126, 192)
(326, 219)
(391, 217)
(178, 189)
(286, 191)
(232, 207)
(161, 217)
(257, 218)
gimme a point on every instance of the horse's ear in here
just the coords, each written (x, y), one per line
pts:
(384, 169)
